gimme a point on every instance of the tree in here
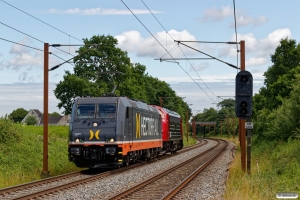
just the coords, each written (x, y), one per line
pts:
(18, 114)
(284, 121)
(31, 120)
(278, 78)
(105, 68)
(285, 58)
(227, 103)
(54, 114)
(98, 69)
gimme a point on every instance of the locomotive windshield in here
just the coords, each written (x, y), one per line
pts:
(106, 111)
(96, 111)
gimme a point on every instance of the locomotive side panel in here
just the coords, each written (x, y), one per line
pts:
(110, 131)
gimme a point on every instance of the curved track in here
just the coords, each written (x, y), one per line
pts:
(52, 185)
(165, 185)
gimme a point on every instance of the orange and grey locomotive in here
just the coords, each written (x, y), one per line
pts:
(114, 131)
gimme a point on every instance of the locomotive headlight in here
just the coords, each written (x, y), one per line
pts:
(111, 140)
(78, 140)
(95, 124)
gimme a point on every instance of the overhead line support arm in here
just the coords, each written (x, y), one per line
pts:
(231, 65)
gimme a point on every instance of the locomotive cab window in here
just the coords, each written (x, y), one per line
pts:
(85, 111)
(106, 110)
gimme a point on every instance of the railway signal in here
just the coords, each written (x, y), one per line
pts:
(243, 94)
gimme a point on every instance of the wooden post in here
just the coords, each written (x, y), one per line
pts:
(242, 121)
(187, 127)
(228, 127)
(215, 129)
(45, 172)
(221, 129)
(194, 128)
(160, 101)
(233, 127)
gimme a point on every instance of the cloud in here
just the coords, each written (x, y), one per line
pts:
(101, 11)
(133, 42)
(242, 19)
(199, 67)
(216, 14)
(257, 50)
(27, 96)
(23, 76)
(24, 58)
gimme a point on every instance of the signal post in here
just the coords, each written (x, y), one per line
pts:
(243, 105)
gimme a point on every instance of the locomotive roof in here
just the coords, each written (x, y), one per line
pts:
(170, 112)
(124, 100)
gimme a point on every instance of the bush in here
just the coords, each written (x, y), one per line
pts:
(31, 120)
(9, 132)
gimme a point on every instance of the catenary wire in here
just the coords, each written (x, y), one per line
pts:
(181, 48)
(32, 37)
(62, 59)
(237, 47)
(157, 20)
(197, 72)
(41, 20)
(166, 50)
(21, 44)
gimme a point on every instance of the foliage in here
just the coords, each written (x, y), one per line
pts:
(31, 120)
(278, 78)
(54, 114)
(226, 103)
(18, 115)
(98, 69)
(285, 120)
(275, 167)
(9, 133)
(275, 107)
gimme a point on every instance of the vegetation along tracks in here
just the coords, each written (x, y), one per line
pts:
(59, 183)
(166, 184)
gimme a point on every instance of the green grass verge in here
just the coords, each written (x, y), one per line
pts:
(275, 167)
(22, 160)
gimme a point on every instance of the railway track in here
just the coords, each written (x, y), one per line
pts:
(166, 185)
(52, 185)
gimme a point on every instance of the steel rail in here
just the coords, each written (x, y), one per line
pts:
(137, 187)
(186, 181)
(54, 189)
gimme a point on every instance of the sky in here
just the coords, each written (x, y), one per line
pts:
(147, 37)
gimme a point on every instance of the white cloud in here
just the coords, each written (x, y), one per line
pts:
(24, 58)
(242, 19)
(101, 11)
(132, 41)
(256, 61)
(257, 50)
(27, 96)
(217, 14)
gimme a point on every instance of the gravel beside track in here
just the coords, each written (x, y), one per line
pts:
(109, 186)
(211, 183)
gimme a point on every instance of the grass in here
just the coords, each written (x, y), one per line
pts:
(189, 141)
(275, 167)
(22, 161)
